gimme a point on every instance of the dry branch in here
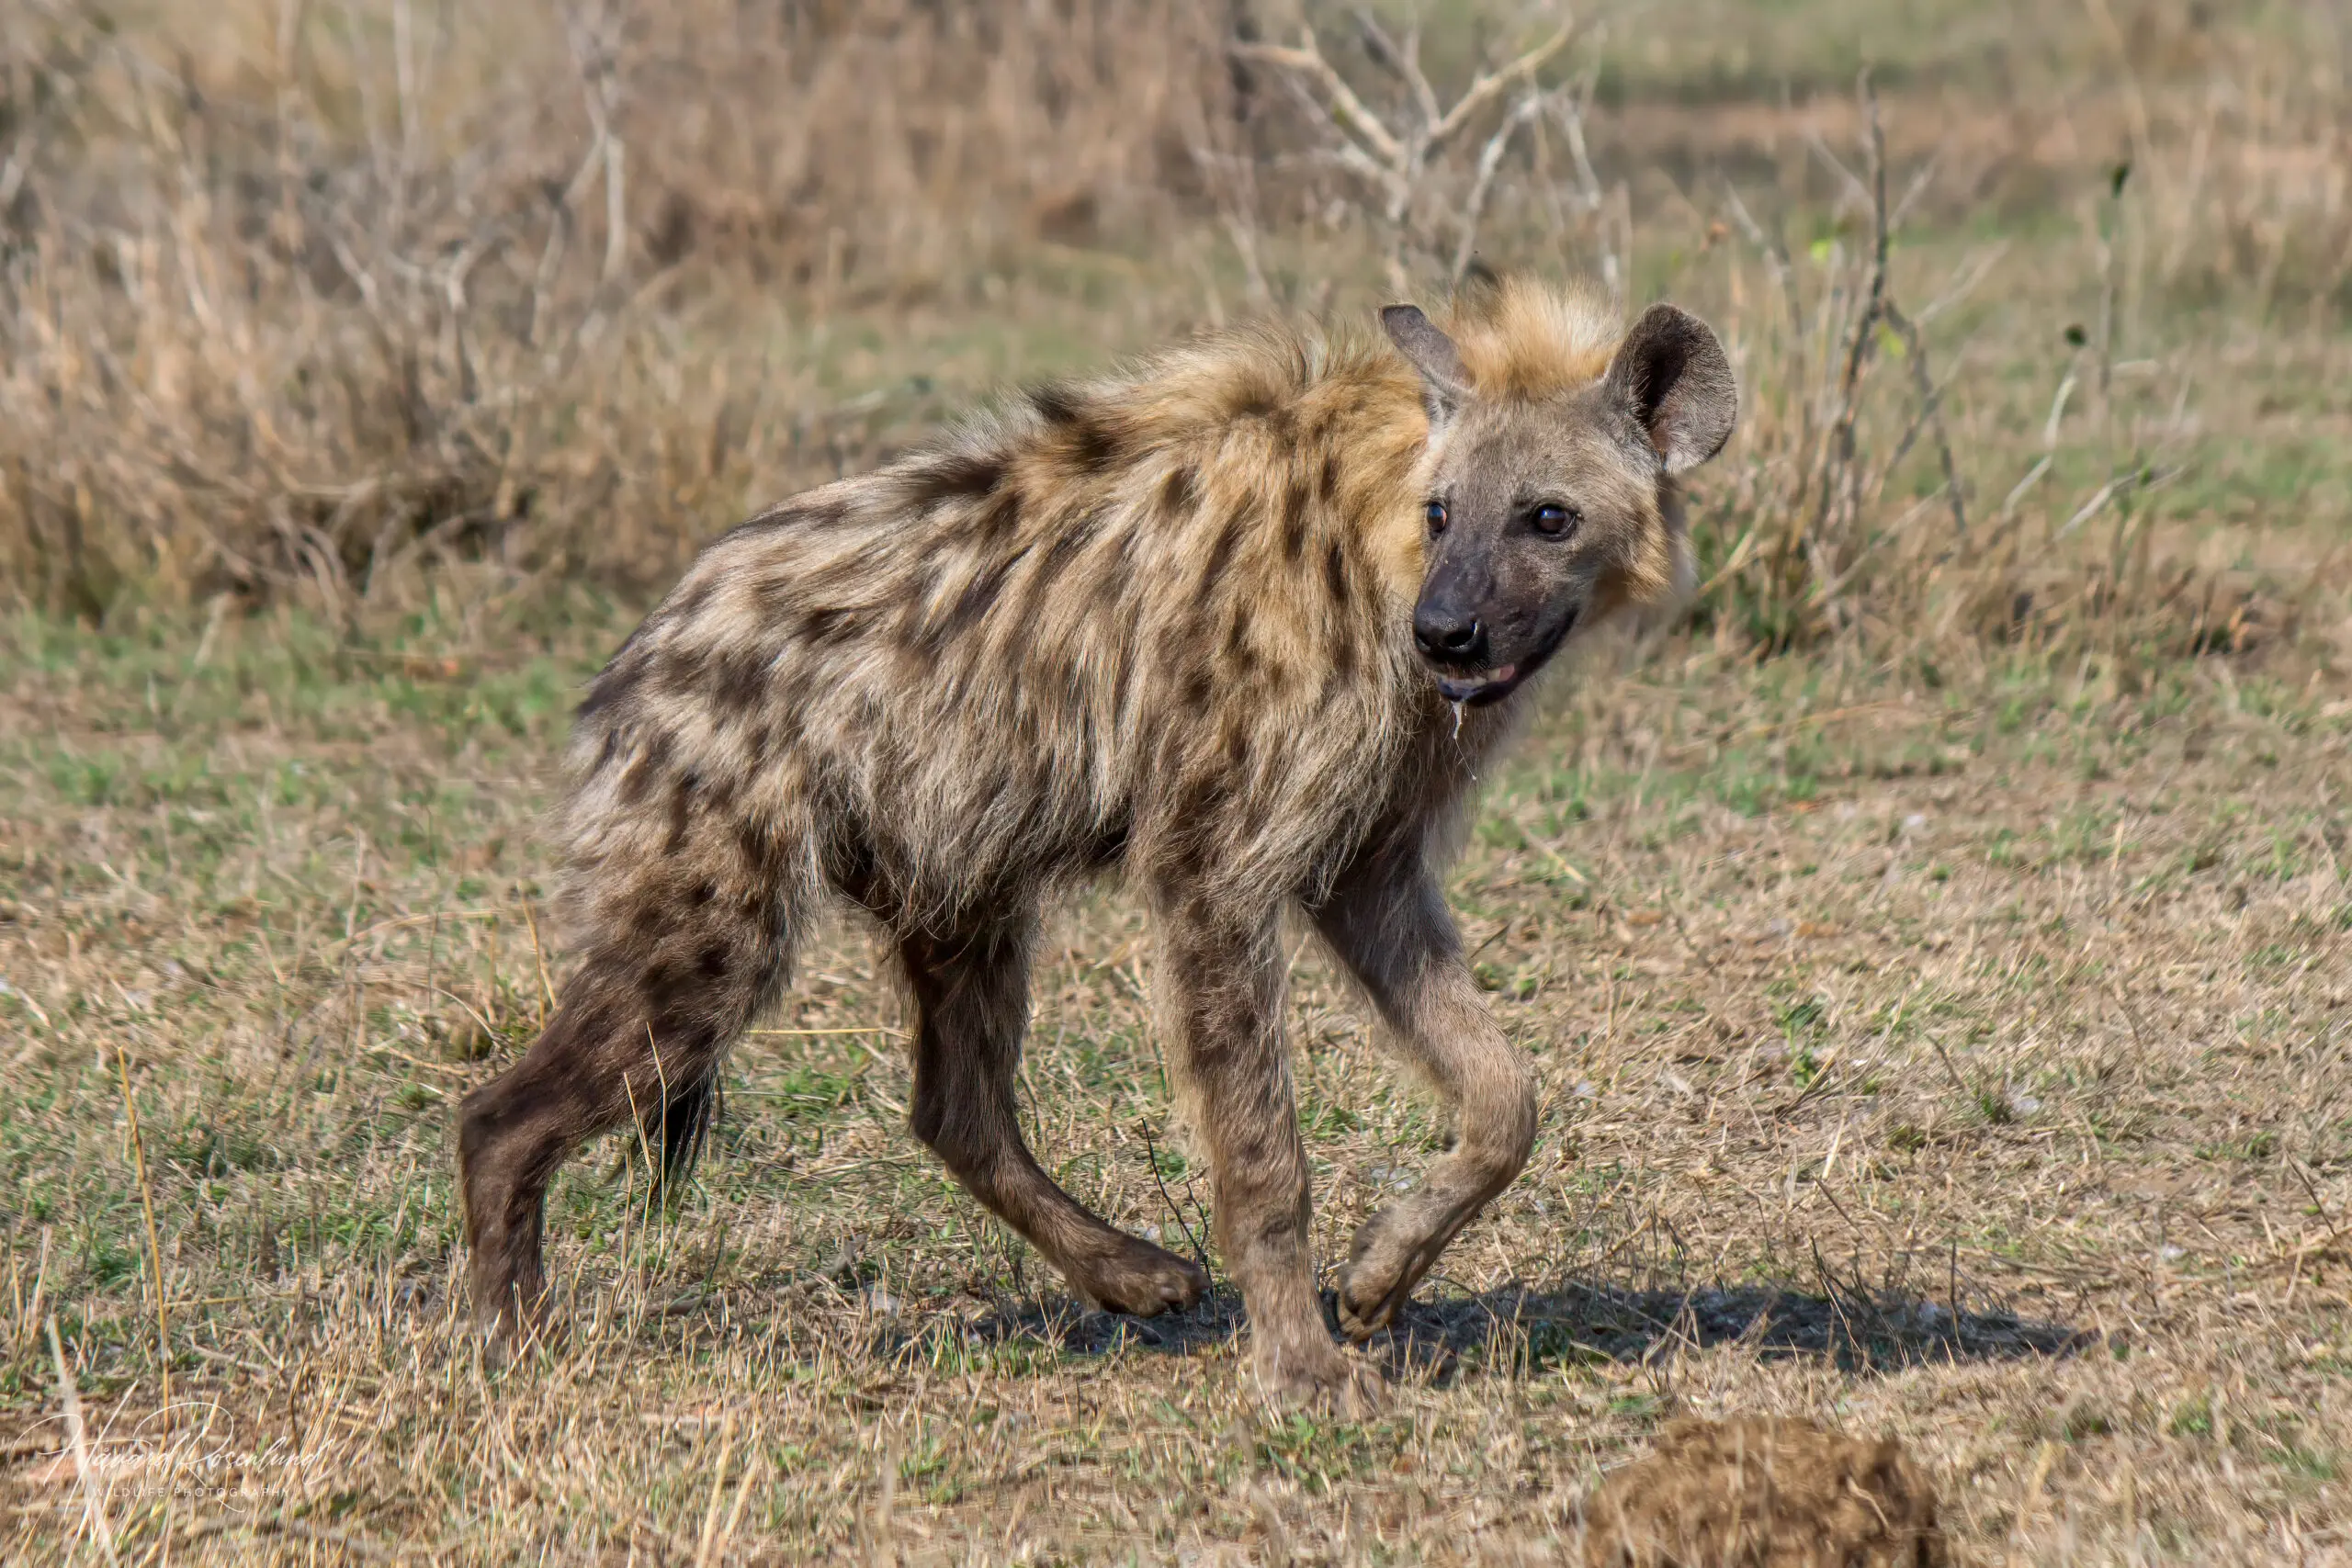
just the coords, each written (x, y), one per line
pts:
(1398, 160)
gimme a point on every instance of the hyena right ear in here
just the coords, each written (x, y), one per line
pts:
(1672, 374)
(1445, 384)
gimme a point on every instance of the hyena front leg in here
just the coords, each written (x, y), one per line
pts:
(1221, 978)
(972, 995)
(1388, 922)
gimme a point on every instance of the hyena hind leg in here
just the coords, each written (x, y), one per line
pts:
(1389, 925)
(971, 994)
(639, 1032)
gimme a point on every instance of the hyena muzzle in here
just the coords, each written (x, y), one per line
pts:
(1243, 623)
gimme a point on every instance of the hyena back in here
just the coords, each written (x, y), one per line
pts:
(1185, 623)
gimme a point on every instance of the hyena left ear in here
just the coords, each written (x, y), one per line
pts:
(1445, 384)
(1671, 372)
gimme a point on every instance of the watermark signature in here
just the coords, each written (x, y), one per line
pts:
(184, 1451)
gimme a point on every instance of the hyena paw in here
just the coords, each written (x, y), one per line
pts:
(1311, 1372)
(1386, 1260)
(1140, 1280)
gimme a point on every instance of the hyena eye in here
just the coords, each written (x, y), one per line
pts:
(1554, 521)
(1435, 512)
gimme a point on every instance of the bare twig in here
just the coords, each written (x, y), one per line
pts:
(1861, 337)
(1776, 260)
(1395, 158)
(594, 51)
(1567, 109)
(1348, 111)
(1930, 413)
(1488, 88)
(1151, 1156)
(1489, 160)
(616, 220)
(1234, 179)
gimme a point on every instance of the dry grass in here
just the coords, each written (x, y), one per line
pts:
(1934, 957)
(1965, 1070)
(298, 298)
(348, 305)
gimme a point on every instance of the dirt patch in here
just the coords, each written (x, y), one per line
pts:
(1766, 1494)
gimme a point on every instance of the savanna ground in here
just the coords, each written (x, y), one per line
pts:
(1936, 951)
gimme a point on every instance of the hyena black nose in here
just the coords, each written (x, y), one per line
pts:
(1447, 635)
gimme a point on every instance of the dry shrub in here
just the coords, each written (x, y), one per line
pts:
(1766, 1493)
(1422, 163)
(1856, 501)
(324, 297)
(1811, 536)
(336, 300)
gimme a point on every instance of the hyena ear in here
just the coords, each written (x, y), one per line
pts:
(1671, 372)
(1445, 384)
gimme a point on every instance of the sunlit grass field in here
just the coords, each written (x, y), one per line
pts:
(1856, 1004)
(1935, 947)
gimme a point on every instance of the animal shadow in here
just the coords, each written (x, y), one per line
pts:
(1523, 1328)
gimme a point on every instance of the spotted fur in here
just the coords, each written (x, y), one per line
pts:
(1161, 622)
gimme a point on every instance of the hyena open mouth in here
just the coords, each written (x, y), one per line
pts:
(1479, 689)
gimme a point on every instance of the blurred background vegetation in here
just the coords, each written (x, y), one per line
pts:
(389, 304)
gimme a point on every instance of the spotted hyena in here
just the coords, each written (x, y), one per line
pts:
(1244, 623)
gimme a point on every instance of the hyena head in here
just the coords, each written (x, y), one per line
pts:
(1551, 469)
